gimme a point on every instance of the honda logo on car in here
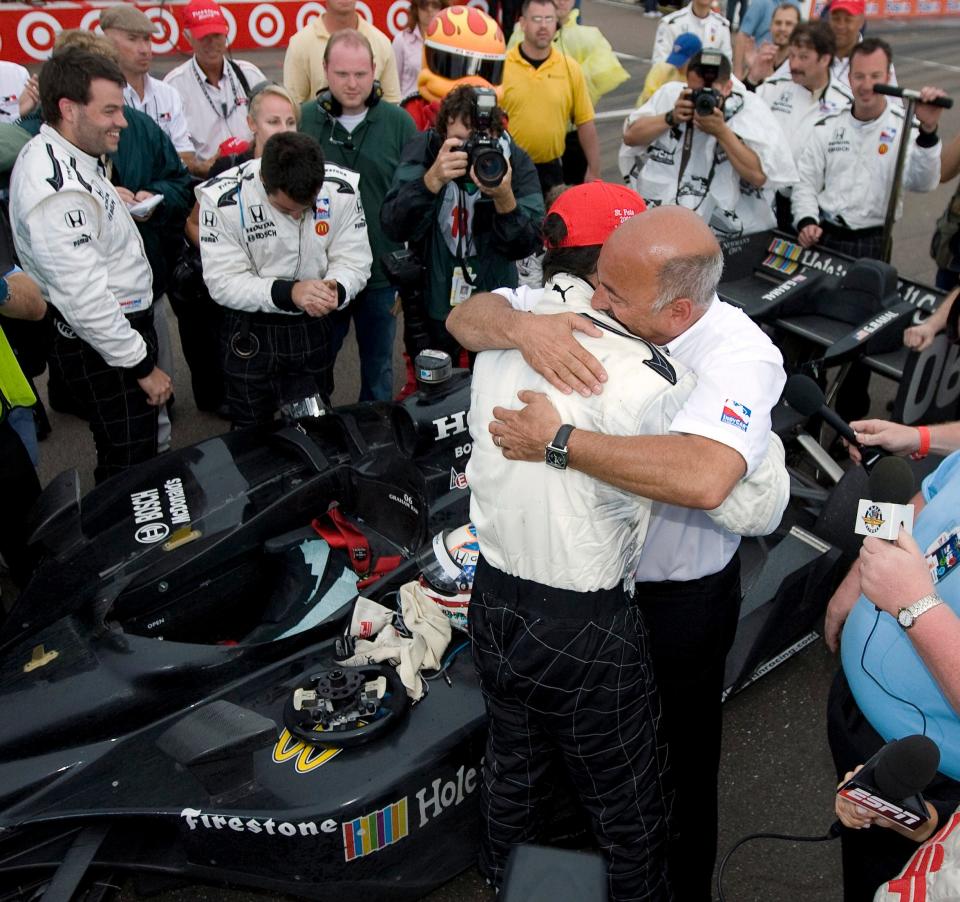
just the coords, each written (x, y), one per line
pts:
(451, 425)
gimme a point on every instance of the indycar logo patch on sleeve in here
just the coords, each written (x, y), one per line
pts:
(735, 414)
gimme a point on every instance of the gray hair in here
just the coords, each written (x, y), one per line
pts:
(693, 276)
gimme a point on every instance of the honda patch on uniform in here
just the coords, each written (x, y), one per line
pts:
(735, 414)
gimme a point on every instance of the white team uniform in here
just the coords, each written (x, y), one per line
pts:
(75, 237)
(713, 31)
(846, 171)
(250, 250)
(708, 183)
(798, 110)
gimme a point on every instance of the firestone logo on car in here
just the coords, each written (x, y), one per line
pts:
(194, 818)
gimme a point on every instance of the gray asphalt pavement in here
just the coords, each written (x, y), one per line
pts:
(776, 772)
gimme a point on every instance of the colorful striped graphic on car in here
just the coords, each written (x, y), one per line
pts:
(376, 831)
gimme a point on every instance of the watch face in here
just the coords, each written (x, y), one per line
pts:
(905, 618)
(556, 458)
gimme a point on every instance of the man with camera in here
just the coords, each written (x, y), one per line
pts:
(356, 130)
(468, 201)
(284, 243)
(710, 146)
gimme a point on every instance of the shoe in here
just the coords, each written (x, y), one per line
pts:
(652, 14)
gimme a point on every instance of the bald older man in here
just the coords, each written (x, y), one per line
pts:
(653, 280)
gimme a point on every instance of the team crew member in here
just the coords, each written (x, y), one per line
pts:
(75, 237)
(690, 601)
(772, 56)
(283, 241)
(303, 72)
(847, 169)
(130, 31)
(804, 96)
(544, 92)
(696, 18)
(762, 41)
(356, 130)
(737, 158)
(673, 68)
(14, 82)
(215, 90)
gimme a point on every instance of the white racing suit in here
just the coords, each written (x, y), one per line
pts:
(253, 256)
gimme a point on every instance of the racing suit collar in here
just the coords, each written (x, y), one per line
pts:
(88, 161)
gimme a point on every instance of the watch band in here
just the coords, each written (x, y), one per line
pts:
(909, 615)
(668, 118)
(562, 437)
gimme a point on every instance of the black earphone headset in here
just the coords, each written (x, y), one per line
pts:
(332, 107)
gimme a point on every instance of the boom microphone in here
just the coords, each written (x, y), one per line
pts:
(891, 782)
(891, 486)
(895, 91)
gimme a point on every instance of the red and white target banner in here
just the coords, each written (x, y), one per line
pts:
(28, 30)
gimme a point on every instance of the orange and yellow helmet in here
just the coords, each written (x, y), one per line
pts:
(463, 45)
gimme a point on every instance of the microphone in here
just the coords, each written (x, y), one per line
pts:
(891, 782)
(806, 397)
(891, 486)
(895, 91)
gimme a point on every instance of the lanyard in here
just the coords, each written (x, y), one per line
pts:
(222, 111)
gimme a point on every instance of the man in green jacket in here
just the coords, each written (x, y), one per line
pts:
(360, 131)
(468, 236)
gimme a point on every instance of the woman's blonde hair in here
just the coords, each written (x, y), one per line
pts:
(261, 91)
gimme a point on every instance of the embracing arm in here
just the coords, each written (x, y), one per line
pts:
(686, 470)
(488, 322)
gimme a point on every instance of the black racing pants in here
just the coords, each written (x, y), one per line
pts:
(692, 625)
(124, 425)
(270, 359)
(870, 857)
(569, 672)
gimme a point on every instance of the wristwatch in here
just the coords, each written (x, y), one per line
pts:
(4, 291)
(555, 454)
(668, 118)
(907, 617)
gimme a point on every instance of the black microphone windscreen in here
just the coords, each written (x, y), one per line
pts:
(891, 481)
(906, 766)
(804, 395)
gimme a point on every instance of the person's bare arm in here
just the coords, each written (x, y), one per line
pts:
(741, 157)
(590, 145)
(24, 300)
(894, 575)
(487, 322)
(686, 470)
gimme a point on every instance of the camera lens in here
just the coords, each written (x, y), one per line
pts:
(490, 167)
(706, 102)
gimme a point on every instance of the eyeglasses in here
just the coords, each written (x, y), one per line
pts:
(543, 20)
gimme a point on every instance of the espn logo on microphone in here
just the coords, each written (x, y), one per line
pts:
(886, 809)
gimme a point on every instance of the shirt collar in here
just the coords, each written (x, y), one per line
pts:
(87, 161)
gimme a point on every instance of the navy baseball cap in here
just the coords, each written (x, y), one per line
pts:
(684, 47)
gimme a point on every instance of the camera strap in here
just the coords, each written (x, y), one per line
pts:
(684, 161)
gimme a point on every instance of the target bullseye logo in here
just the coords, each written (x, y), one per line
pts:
(36, 32)
(266, 24)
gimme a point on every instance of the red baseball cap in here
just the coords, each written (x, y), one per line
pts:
(204, 17)
(591, 212)
(854, 7)
(233, 146)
